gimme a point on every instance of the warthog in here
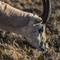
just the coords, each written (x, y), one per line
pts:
(27, 24)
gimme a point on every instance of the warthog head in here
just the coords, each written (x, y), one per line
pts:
(35, 33)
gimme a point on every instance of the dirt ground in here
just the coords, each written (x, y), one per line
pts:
(15, 47)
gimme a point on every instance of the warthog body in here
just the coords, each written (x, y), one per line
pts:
(21, 22)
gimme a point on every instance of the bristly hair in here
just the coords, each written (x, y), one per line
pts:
(46, 10)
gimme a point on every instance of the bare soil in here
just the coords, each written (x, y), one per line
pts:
(15, 47)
